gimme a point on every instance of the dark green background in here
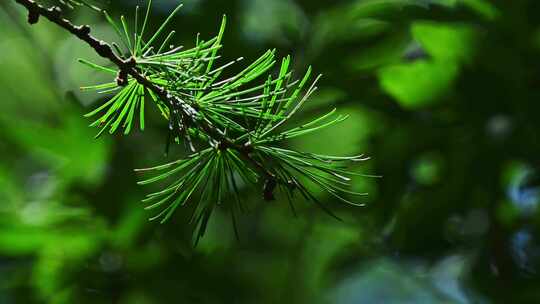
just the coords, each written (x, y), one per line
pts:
(443, 95)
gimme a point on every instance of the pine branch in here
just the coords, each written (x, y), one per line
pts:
(239, 123)
(128, 67)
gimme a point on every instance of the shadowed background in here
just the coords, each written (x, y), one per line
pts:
(442, 94)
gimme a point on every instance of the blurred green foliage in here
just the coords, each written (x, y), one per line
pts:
(443, 94)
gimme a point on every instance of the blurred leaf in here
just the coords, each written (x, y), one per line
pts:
(52, 270)
(23, 66)
(363, 18)
(422, 82)
(427, 170)
(272, 20)
(380, 7)
(326, 242)
(69, 148)
(22, 239)
(417, 84)
(330, 28)
(483, 8)
(10, 193)
(348, 138)
(129, 227)
(445, 42)
(385, 52)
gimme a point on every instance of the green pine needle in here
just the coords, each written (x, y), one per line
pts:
(249, 109)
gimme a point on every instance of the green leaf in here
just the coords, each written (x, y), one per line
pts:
(483, 8)
(418, 84)
(445, 41)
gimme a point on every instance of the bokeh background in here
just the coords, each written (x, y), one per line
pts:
(444, 95)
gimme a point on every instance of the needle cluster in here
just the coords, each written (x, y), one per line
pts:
(233, 125)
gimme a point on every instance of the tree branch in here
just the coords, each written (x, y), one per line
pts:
(128, 67)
